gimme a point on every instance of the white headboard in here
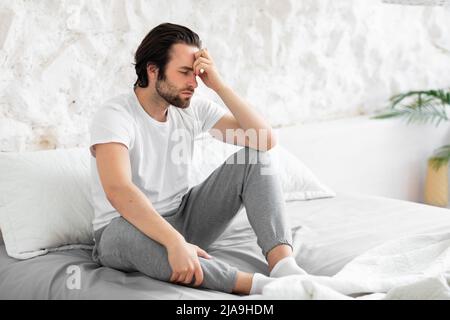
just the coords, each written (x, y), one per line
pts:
(381, 157)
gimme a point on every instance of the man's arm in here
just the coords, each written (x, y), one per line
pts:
(248, 128)
(114, 170)
(113, 165)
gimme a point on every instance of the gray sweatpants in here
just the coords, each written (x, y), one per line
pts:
(244, 179)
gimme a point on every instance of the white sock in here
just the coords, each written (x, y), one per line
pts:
(258, 283)
(286, 267)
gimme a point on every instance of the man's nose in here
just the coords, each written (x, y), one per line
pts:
(193, 81)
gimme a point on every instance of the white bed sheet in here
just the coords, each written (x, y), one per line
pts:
(333, 231)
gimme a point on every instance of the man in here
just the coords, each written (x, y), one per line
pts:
(146, 217)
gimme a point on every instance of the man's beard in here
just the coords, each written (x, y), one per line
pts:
(169, 92)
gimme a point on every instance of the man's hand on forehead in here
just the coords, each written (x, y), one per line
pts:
(196, 56)
(202, 53)
(205, 68)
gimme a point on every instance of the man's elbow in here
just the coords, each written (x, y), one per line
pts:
(271, 141)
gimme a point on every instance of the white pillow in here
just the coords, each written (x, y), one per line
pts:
(297, 180)
(45, 201)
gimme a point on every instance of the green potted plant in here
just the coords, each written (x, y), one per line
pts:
(426, 106)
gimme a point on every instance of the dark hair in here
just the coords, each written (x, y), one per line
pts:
(155, 48)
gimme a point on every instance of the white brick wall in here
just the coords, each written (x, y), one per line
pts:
(296, 61)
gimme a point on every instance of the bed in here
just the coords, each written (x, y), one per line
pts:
(331, 227)
(328, 233)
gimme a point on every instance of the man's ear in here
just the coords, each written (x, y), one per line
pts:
(152, 72)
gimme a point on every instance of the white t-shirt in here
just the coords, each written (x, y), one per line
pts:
(160, 152)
